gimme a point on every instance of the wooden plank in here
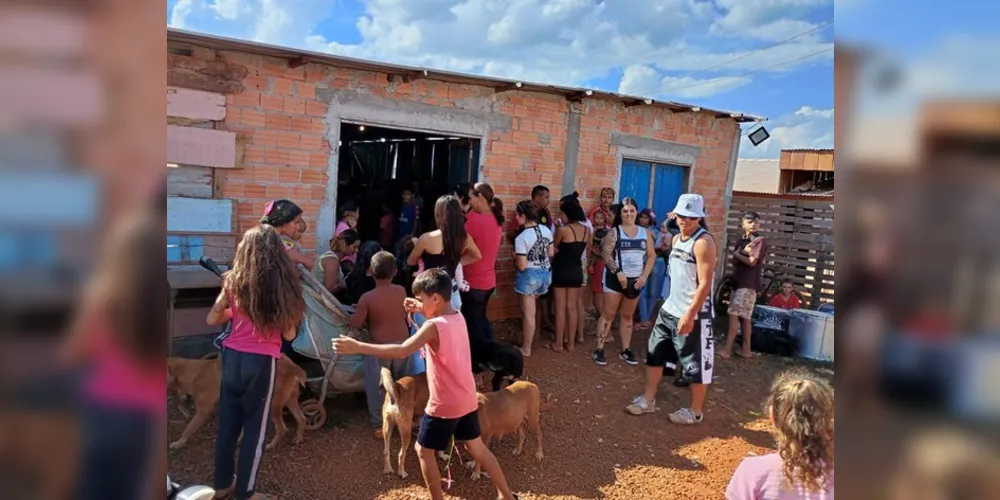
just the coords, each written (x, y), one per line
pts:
(195, 104)
(199, 215)
(187, 321)
(187, 248)
(185, 277)
(61, 96)
(192, 182)
(201, 147)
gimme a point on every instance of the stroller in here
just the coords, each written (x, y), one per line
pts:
(325, 319)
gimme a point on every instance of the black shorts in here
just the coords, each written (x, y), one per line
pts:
(436, 433)
(693, 352)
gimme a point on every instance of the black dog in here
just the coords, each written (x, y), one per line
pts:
(505, 361)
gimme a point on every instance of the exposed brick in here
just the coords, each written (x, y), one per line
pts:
(254, 191)
(305, 90)
(252, 118)
(298, 158)
(288, 139)
(288, 174)
(294, 105)
(248, 98)
(277, 121)
(313, 176)
(271, 102)
(311, 142)
(277, 191)
(258, 83)
(283, 86)
(315, 108)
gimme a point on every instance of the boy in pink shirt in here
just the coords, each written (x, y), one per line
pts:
(452, 409)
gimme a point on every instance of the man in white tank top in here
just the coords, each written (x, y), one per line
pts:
(682, 336)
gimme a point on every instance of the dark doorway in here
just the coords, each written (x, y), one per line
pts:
(376, 163)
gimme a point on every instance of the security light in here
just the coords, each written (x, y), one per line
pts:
(758, 136)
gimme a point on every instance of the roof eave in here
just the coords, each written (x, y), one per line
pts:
(305, 57)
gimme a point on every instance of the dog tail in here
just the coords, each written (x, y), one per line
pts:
(547, 402)
(389, 384)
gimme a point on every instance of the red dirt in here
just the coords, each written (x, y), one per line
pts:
(593, 449)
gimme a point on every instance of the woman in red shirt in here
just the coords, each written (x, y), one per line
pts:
(484, 224)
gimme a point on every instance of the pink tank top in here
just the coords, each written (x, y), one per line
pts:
(245, 338)
(449, 378)
(121, 381)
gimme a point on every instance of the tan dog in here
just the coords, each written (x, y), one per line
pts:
(201, 379)
(405, 401)
(506, 411)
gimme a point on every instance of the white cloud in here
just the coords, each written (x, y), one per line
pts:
(565, 42)
(806, 128)
(770, 20)
(645, 81)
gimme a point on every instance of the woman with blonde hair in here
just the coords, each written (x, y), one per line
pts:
(801, 407)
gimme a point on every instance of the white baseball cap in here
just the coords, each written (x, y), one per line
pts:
(690, 205)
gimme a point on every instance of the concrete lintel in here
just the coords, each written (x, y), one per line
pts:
(657, 150)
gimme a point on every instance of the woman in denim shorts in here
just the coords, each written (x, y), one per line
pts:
(532, 251)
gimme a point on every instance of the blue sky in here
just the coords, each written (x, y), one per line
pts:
(704, 52)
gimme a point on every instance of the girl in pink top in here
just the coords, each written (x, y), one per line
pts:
(262, 295)
(452, 410)
(120, 336)
(348, 220)
(801, 408)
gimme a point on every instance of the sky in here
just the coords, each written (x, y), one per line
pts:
(771, 58)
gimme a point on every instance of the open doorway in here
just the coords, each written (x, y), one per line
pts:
(376, 163)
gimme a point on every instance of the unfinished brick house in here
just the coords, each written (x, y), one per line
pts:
(251, 122)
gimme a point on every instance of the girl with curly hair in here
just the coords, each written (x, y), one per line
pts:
(801, 407)
(262, 295)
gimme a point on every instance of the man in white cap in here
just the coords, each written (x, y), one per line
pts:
(682, 337)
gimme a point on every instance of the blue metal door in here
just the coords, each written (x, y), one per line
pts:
(635, 182)
(668, 185)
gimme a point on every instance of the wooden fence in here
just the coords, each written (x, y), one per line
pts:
(799, 233)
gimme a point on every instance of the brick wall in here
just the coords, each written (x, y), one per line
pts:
(284, 152)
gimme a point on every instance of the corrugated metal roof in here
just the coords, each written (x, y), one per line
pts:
(222, 43)
(806, 150)
(821, 196)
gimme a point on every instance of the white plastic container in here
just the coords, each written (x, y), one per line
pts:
(814, 331)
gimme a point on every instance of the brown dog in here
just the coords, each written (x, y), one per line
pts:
(405, 401)
(201, 378)
(506, 411)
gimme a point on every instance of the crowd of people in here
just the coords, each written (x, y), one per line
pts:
(426, 286)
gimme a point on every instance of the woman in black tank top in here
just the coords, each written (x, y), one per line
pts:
(448, 246)
(572, 242)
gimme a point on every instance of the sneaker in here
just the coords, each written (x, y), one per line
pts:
(640, 405)
(599, 357)
(685, 416)
(628, 357)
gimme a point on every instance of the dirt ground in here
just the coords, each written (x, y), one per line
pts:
(593, 449)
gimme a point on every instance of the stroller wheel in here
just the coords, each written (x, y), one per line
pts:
(211, 355)
(315, 414)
